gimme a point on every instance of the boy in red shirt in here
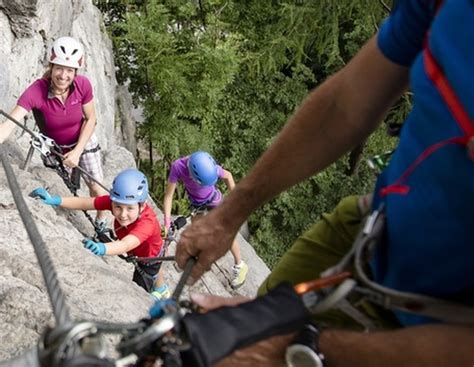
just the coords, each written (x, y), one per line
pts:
(136, 226)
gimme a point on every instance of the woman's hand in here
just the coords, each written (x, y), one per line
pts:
(71, 158)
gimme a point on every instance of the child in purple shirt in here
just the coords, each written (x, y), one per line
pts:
(199, 174)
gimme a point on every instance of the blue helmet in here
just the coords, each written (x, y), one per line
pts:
(129, 187)
(203, 168)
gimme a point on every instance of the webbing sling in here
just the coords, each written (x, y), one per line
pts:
(436, 75)
(386, 297)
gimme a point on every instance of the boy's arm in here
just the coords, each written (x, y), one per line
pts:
(228, 179)
(77, 203)
(167, 203)
(129, 242)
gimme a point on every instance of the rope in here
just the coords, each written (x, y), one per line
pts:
(60, 310)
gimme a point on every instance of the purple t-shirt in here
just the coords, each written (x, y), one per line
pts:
(62, 122)
(197, 194)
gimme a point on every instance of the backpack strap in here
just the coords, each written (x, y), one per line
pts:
(437, 76)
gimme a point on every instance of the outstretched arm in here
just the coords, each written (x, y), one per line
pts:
(126, 244)
(434, 345)
(334, 118)
(8, 126)
(429, 345)
(75, 203)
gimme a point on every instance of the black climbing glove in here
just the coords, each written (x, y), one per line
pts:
(219, 332)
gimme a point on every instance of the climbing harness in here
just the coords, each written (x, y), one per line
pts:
(151, 265)
(176, 225)
(349, 276)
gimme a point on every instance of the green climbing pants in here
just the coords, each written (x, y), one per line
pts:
(321, 247)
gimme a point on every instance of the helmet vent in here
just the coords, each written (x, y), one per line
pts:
(63, 49)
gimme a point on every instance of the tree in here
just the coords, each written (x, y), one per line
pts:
(225, 76)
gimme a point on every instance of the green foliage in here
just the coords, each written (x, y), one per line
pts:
(225, 76)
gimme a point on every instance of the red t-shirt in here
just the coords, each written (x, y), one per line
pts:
(146, 228)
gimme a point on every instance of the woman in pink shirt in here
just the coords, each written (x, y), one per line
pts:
(63, 106)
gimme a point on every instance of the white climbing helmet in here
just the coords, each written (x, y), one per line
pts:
(66, 51)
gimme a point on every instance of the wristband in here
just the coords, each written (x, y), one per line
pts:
(304, 351)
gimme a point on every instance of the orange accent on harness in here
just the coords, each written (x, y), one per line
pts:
(320, 283)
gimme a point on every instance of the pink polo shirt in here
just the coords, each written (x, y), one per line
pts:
(61, 122)
(197, 193)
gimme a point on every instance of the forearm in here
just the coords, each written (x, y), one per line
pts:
(229, 180)
(116, 248)
(87, 130)
(8, 126)
(5, 130)
(126, 244)
(167, 202)
(430, 345)
(334, 118)
(77, 203)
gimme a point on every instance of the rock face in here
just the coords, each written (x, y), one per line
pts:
(95, 288)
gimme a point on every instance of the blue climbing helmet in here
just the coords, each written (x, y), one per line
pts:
(203, 168)
(129, 187)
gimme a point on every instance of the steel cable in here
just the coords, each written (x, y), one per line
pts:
(60, 310)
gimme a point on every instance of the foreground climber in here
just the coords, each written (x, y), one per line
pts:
(426, 192)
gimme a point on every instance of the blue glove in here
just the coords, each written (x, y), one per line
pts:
(46, 197)
(97, 248)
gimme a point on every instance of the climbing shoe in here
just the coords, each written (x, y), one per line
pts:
(239, 273)
(162, 292)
